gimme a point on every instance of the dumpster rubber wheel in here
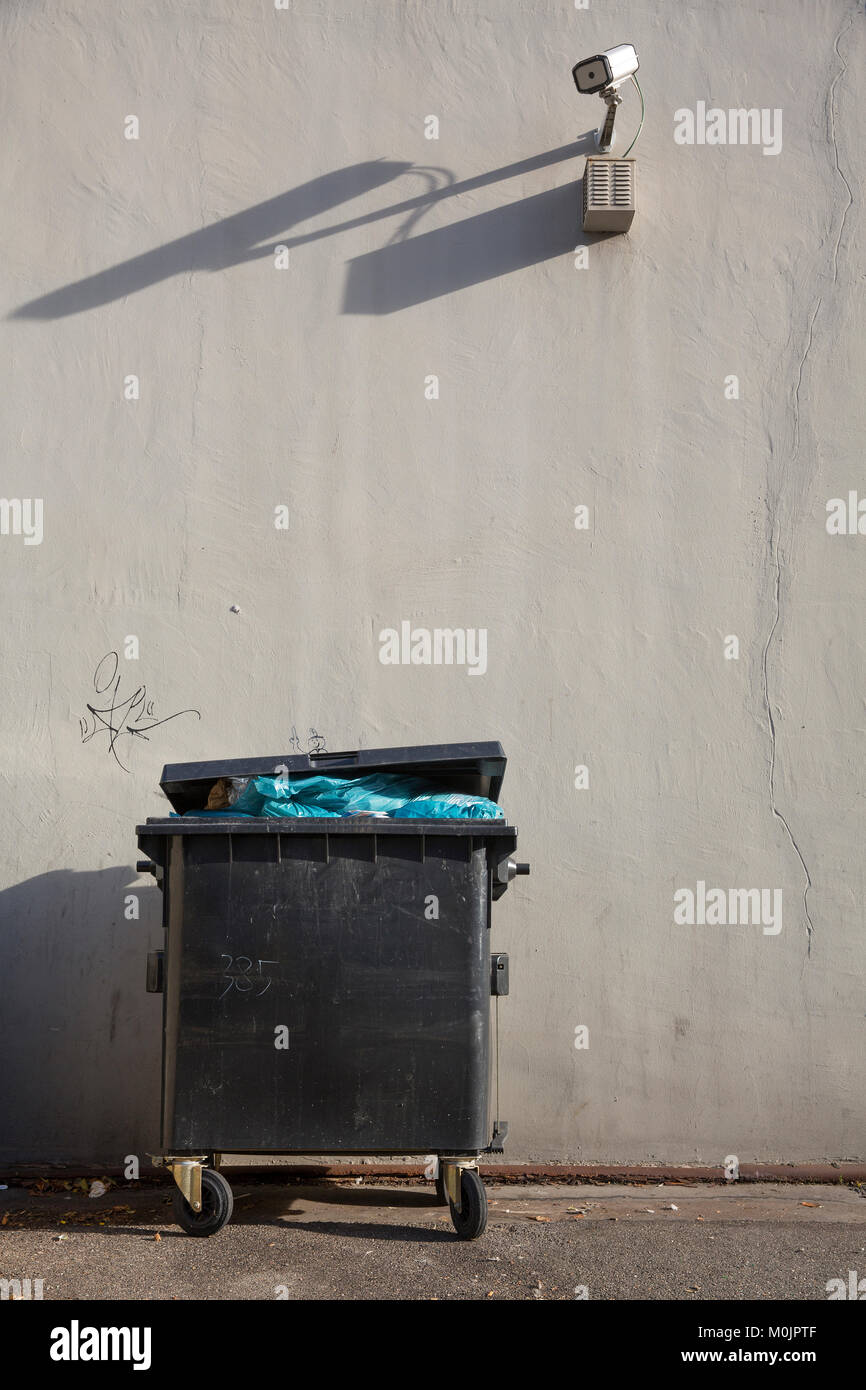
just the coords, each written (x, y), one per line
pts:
(471, 1221)
(216, 1206)
(441, 1194)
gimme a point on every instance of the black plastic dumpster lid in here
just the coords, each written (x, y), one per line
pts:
(473, 767)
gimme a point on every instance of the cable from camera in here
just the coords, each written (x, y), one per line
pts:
(642, 113)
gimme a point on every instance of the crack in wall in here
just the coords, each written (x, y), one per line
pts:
(772, 724)
(831, 117)
(799, 381)
(775, 550)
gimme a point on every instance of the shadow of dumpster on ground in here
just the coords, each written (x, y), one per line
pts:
(408, 270)
(287, 1207)
(72, 1046)
(360, 1230)
(265, 1206)
(364, 1230)
(330, 1195)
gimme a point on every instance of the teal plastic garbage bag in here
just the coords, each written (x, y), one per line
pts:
(449, 806)
(379, 791)
(382, 793)
(328, 796)
(276, 796)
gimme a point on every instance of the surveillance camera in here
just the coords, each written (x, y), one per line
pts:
(604, 74)
(605, 69)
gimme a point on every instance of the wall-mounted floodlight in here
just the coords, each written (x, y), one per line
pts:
(605, 74)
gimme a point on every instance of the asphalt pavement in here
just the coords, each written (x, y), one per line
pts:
(368, 1240)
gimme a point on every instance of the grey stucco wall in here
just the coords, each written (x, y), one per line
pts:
(560, 384)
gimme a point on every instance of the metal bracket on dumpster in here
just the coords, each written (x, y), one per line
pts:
(499, 974)
(500, 1134)
(187, 1174)
(452, 1172)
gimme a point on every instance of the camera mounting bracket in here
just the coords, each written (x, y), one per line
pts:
(604, 135)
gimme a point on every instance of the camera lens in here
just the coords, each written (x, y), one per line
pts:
(591, 75)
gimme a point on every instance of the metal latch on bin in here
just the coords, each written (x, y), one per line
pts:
(155, 972)
(499, 974)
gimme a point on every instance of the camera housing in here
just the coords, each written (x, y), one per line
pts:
(605, 70)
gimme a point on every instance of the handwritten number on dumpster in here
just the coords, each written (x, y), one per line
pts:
(237, 975)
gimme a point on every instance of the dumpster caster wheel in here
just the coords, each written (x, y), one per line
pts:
(441, 1194)
(471, 1220)
(216, 1206)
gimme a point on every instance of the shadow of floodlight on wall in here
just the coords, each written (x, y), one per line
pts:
(464, 253)
(408, 270)
(232, 241)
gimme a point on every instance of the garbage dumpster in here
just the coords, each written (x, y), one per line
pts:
(326, 981)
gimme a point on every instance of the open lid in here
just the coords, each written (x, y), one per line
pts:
(476, 768)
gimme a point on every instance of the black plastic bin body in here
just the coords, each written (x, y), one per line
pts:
(327, 981)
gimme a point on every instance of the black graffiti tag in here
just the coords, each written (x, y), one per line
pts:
(133, 716)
